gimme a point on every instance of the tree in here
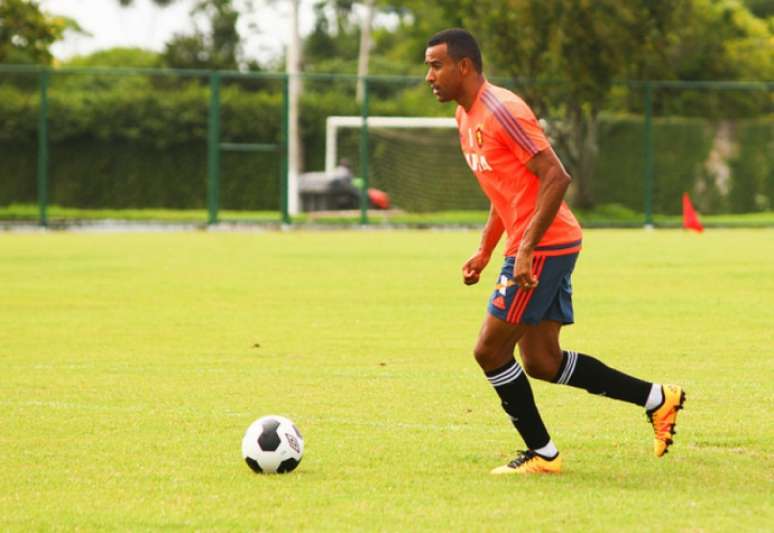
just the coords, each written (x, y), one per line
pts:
(333, 40)
(566, 55)
(27, 33)
(216, 47)
(117, 57)
(761, 8)
(417, 21)
(586, 45)
(725, 41)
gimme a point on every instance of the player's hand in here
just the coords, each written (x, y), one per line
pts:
(471, 270)
(522, 269)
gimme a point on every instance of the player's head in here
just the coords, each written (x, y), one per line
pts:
(451, 56)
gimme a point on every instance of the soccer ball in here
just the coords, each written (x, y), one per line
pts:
(272, 444)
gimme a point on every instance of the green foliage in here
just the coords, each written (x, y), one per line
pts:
(761, 8)
(113, 145)
(140, 141)
(724, 41)
(217, 47)
(27, 33)
(324, 43)
(753, 186)
(587, 44)
(417, 21)
(119, 57)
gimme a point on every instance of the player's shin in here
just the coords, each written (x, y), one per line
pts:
(515, 392)
(586, 372)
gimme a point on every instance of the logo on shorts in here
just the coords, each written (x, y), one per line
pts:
(504, 284)
(499, 302)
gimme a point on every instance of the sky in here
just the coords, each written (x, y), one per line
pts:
(146, 25)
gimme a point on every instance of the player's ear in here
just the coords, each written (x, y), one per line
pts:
(466, 66)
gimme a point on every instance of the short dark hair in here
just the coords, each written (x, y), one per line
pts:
(459, 43)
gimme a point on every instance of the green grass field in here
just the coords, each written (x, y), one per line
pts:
(132, 364)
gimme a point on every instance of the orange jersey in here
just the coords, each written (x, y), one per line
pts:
(498, 136)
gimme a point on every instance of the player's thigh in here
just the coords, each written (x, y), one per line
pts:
(540, 349)
(496, 342)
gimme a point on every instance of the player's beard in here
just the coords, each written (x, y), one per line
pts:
(440, 95)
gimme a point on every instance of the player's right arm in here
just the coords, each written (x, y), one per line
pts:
(493, 230)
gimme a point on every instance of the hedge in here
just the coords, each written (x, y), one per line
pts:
(141, 142)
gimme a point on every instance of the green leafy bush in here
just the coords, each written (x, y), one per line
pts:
(140, 140)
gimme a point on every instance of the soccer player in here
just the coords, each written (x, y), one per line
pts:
(525, 182)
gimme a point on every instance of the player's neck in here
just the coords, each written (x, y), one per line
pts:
(470, 91)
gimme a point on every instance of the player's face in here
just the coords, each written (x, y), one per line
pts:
(443, 73)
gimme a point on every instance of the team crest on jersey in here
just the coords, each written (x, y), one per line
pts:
(479, 136)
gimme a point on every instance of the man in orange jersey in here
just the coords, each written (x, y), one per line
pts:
(525, 182)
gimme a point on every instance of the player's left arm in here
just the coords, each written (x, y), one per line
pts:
(554, 181)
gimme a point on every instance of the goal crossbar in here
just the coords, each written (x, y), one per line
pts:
(333, 123)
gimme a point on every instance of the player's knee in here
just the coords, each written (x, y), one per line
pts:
(484, 356)
(538, 369)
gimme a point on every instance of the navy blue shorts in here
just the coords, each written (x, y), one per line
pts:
(550, 300)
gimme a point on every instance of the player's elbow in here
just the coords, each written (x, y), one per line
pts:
(563, 176)
(560, 177)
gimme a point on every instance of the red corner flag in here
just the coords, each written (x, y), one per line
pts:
(690, 218)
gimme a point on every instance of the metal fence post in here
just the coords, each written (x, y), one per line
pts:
(284, 207)
(213, 150)
(648, 154)
(364, 154)
(42, 164)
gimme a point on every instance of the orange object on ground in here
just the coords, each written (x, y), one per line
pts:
(690, 217)
(379, 198)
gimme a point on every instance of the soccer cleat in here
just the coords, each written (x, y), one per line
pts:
(664, 418)
(528, 462)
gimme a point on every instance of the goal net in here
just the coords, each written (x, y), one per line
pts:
(416, 160)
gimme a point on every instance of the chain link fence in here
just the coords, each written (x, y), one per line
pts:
(212, 146)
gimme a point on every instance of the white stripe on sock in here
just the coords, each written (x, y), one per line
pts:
(569, 368)
(506, 376)
(504, 372)
(512, 376)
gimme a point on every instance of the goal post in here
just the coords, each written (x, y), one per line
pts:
(415, 160)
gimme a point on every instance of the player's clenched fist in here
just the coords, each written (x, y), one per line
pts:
(471, 270)
(522, 269)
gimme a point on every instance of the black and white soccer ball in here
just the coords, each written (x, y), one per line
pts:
(272, 444)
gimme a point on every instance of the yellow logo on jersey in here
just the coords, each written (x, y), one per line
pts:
(479, 136)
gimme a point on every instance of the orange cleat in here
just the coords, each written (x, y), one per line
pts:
(528, 462)
(664, 418)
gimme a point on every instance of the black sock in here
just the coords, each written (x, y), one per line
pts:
(517, 400)
(586, 372)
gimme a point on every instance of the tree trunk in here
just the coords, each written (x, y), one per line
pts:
(295, 88)
(578, 140)
(365, 48)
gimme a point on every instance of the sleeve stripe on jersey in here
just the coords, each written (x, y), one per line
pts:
(507, 121)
